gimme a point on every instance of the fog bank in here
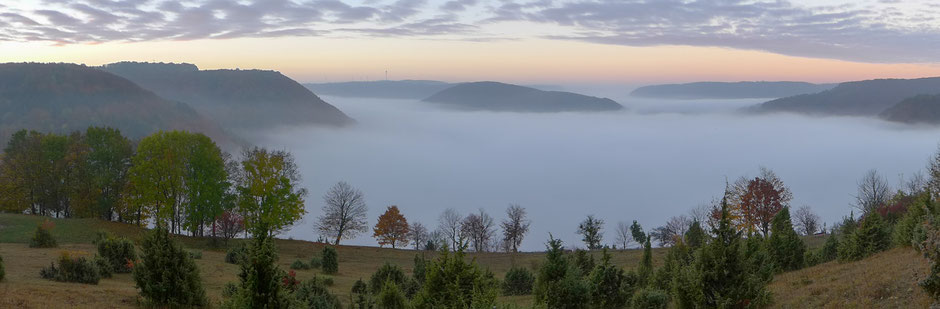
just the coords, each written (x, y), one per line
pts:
(655, 160)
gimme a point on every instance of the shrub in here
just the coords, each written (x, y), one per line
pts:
(870, 237)
(829, 250)
(391, 297)
(908, 228)
(420, 270)
(117, 251)
(42, 238)
(327, 280)
(289, 281)
(314, 294)
(166, 275)
(518, 281)
(2, 271)
(315, 263)
(104, 267)
(558, 284)
(650, 298)
(77, 269)
(196, 255)
(236, 253)
(609, 286)
(410, 287)
(387, 272)
(260, 278)
(330, 260)
(931, 250)
(584, 262)
(452, 282)
(299, 265)
(229, 289)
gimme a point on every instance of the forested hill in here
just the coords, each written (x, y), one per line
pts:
(67, 97)
(243, 99)
(386, 89)
(493, 96)
(860, 98)
(918, 109)
(736, 90)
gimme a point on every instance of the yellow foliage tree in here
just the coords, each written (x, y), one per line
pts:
(392, 228)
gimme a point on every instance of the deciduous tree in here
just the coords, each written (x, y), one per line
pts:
(392, 228)
(806, 221)
(480, 229)
(515, 226)
(344, 213)
(591, 229)
(757, 201)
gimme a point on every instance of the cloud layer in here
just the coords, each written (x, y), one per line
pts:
(881, 31)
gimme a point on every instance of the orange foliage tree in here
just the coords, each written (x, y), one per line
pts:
(392, 228)
(757, 201)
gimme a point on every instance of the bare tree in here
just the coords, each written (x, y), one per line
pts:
(672, 231)
(436, 240)
(479, 228)
(514, 227)
(344, 213)
(916, 184)
(449, 223)
(807, 222)
(873, 192)
(624, 234)
(419, 235)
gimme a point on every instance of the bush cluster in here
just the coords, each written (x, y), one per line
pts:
(299, 265)
(118, 252)
(42, 238)
(315, 263)
(314, 293)
(236, 253)
(518, 281)
(72, 269)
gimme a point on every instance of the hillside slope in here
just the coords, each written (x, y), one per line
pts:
(67, 97)
(240, 99)
(861, 98)
(736, 90)
(385, 89)
(918, 109)
(493, 96)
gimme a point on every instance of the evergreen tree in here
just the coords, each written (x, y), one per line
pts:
(386, 273)
(314, 293)
(592, 231)
(558, 284)
(637, 231)
(722, 273)
(645, 270)
(391, 297)
(785, 246)
(584, 262)
(452, 282)
(166, 274)
(609, 285)
(678, 257)
(330, 260)
(695, 236)
(260, 277)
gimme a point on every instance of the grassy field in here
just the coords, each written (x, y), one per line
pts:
(887, 280)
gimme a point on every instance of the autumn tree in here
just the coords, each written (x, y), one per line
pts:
(344, 213)
(20, 173)
(480, 229)
(269, 191)
(591, 229)
(515, 226)
(806, 221)
(392, 228)
(757, 201)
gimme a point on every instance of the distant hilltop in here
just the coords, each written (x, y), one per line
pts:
(385, 89)
(495, 96)
(64, 97)
(235, 98)
(735, 90)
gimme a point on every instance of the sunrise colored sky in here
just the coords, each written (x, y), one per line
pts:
(536, 41)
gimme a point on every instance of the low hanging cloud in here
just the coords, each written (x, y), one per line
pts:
(876, 31)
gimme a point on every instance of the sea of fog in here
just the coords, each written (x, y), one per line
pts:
(657, 159)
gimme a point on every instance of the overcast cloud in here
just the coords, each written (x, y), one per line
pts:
(875, 31)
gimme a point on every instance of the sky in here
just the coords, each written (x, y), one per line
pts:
(532, 41)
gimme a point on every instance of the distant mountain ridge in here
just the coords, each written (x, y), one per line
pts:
(244, 99)
(859, 98)
(386, 89)
(68, 97)
(732, 90)
(495, 96)
(917, 109)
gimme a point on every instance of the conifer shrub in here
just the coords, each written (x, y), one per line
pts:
(195, 254)
(871, 236)
(260, 280)
(420, 269)
(42, 238)
(166, 275)
(229, 289)
(650, 298)
(830, 249)
(236, 253)
(452, 282)
(104, 267)
(299, 265)
(930, 247)
(330, 260)
(314, 293)
(119, 252)
(909, 230)
(785, 246)
(609, 287)
(386, 273)
(72, 269)
(583, 261)
(558, 284)
(518, 281)
(678, 256)
(410, 287)
(2, 270)
(391, 297)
